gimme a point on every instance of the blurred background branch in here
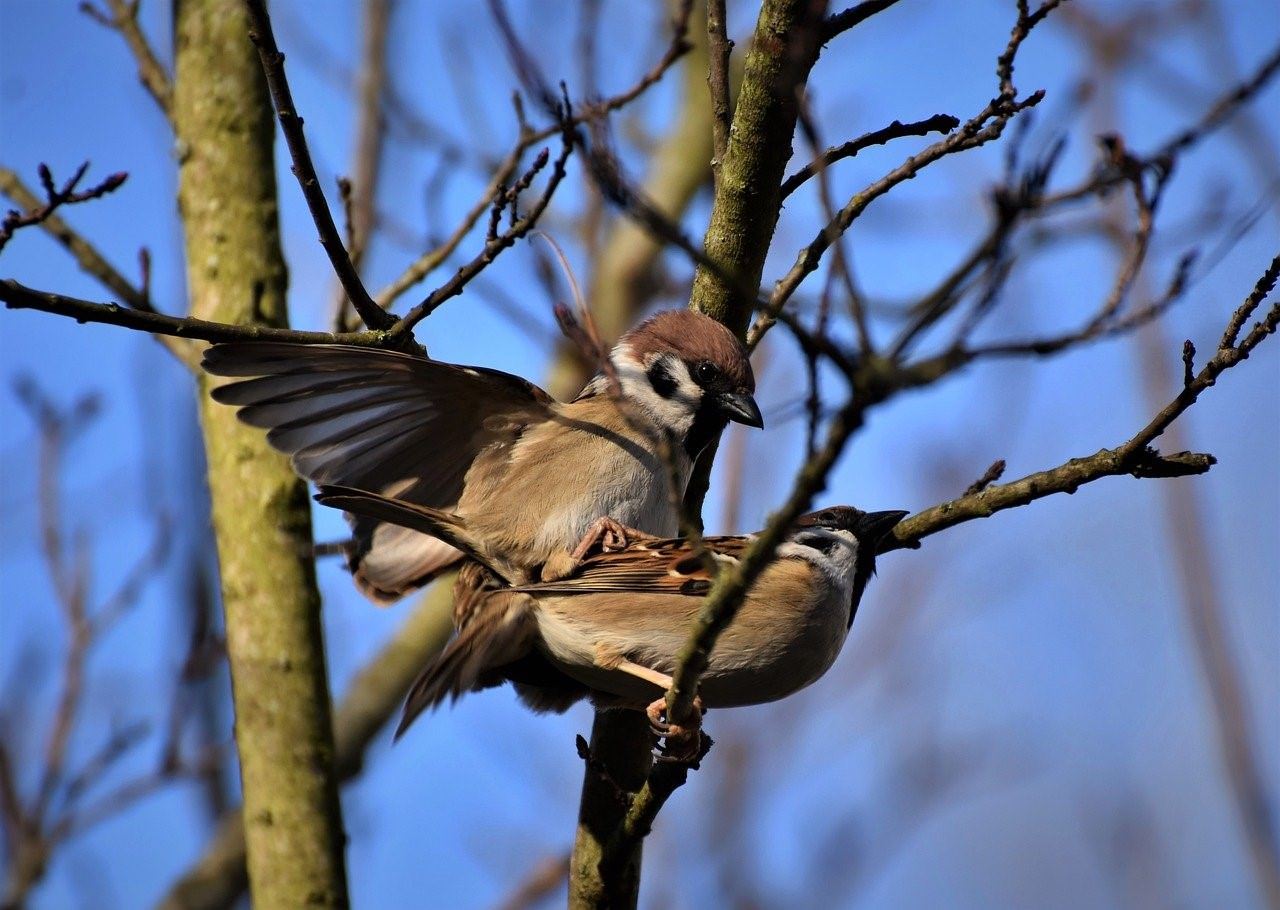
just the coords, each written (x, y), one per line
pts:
(997, 282)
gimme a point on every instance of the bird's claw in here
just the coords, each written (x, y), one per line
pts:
(605, 533)
(680, 742)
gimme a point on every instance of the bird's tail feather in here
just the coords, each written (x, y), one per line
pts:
(500, 633)
(436, 523)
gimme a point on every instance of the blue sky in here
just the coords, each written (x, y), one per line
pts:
(1019, 703)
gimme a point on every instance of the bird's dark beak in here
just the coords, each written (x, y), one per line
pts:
(873, 527)
(740, 407)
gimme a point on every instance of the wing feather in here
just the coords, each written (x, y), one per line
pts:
(383, 421)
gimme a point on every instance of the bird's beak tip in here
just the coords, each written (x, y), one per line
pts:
(877, 525)
(741, 407)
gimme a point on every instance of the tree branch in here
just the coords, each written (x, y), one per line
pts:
(497, 242)
(20, 297)
(55, 197)
(938, 123)
(123, 18)
(846, 19)
(291, 126)
(1134, 457)
(92, 262)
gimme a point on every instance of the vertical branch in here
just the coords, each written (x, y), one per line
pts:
(1202, 606)
(236, 273)
(719, 48)
(618, 761)
(744, 215)
(748, 194)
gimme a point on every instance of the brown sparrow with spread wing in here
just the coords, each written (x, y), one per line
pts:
(616, 625)
(535, 476)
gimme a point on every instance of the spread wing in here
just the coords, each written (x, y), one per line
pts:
(383, 421)
(653, 567)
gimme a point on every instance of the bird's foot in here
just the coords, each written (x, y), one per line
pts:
(680, 742)
(609, 535)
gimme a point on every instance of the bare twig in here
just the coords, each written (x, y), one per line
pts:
(291, 126)
(986, 125)
(498, 242)
(847, 19)
(1134, 457)
(19, 297)
(529, 74)
(55, 197)
(370, 142)
(938, 123)
(123, 18)
(433, 258)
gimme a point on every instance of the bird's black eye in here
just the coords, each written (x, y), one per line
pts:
(705, 372)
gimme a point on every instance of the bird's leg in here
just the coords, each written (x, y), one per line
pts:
(610, 535)
(681, 742)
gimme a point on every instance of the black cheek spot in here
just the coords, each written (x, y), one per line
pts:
(707, 424)
(661, 379)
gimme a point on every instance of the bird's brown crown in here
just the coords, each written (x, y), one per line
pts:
(693, 337)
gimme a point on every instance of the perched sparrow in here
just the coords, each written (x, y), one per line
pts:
(616, 624)
(531, 474)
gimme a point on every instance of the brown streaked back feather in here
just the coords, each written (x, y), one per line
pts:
(654, 567)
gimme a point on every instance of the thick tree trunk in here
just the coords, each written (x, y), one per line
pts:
(236, 273)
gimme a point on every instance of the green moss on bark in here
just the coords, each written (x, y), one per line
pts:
(748, 195)
(236, 273)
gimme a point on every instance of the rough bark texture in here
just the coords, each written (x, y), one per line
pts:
(236, 273)
(217, 880)
(748, 191)
(617, 765)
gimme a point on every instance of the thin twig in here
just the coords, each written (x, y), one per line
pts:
(496, 245)
(291, 126)
(123, 18)
(938, 123)
(20, 297)
(719, 47)
(854, 15)
(55, 198)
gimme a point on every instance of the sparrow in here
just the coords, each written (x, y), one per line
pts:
(535, 476)
(616, 624)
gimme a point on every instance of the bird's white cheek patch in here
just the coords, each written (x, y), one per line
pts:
(674, 411)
